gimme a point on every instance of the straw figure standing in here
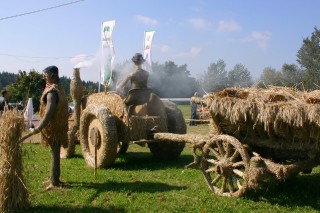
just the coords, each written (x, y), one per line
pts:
(54, 122)
(13, 192)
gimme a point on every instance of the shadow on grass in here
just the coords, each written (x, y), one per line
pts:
(41, 209)
(301, 191)
(130, 187)
(141, 160)
(133, 187)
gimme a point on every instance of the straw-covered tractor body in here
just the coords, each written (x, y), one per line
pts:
(108, 124)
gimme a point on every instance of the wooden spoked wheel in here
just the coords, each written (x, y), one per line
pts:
(225, 165)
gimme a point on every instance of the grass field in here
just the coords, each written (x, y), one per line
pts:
(139, 183)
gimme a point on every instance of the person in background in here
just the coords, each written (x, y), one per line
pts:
(3, 100)
(53, 122)
(193, 107)
(20, 106)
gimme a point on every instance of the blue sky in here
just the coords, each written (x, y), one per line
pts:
(255, 33)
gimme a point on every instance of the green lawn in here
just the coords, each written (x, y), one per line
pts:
(139, 183)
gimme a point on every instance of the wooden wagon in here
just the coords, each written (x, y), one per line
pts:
(255, 135)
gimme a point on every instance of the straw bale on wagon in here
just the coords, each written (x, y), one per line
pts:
(266, 116)
(13, 193)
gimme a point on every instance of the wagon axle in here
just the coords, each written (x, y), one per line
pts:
(225, 169)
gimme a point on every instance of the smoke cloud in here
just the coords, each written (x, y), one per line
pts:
(82, 61)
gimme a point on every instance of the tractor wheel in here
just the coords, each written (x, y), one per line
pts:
(122, 148)
(176, 124)
(98, 136)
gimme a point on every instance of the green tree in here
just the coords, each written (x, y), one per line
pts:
(7, 78)
(27, 86)
(65, 83)
(309, 58)
(292, 76)
(239, 76)
(270, 77)
(215, 78)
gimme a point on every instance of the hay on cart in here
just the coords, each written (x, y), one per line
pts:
(273, 116)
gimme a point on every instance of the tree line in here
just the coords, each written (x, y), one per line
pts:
(172, 80)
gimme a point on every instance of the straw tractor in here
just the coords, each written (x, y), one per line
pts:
(105, 124)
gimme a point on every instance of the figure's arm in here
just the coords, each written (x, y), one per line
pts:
(123, 83)
(52, 98)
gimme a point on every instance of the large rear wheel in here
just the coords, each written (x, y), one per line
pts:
(98, 136)
(122, 147)
(176, 124)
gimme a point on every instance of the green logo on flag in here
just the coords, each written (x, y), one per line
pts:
(106, 28)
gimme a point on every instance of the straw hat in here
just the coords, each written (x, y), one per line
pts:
(138, 58)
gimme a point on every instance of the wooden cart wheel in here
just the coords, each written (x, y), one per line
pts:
(225, 165)
(98, 136)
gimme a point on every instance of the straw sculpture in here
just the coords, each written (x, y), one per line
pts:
(118, 109)
(139, 126)
(276, 114)
(99, 147)
(76, 88)
(13, 192)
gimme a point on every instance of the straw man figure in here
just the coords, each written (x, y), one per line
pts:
(139, 78)
(54, 122)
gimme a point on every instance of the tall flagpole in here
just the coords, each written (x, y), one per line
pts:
(100, 59)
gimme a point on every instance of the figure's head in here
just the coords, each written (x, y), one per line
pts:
(51, 74)
(4, 93)
(138, 59)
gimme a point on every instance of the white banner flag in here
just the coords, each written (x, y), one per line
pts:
(107, 51)
(148, 36)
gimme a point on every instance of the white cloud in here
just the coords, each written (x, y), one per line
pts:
(146, 20)
(230, 26)
(199, 23)
(193, 52)
(162, 48)
(259, 38)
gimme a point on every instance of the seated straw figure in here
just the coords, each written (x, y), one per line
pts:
(139, 92)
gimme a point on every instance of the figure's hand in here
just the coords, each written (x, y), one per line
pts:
(34, 131)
